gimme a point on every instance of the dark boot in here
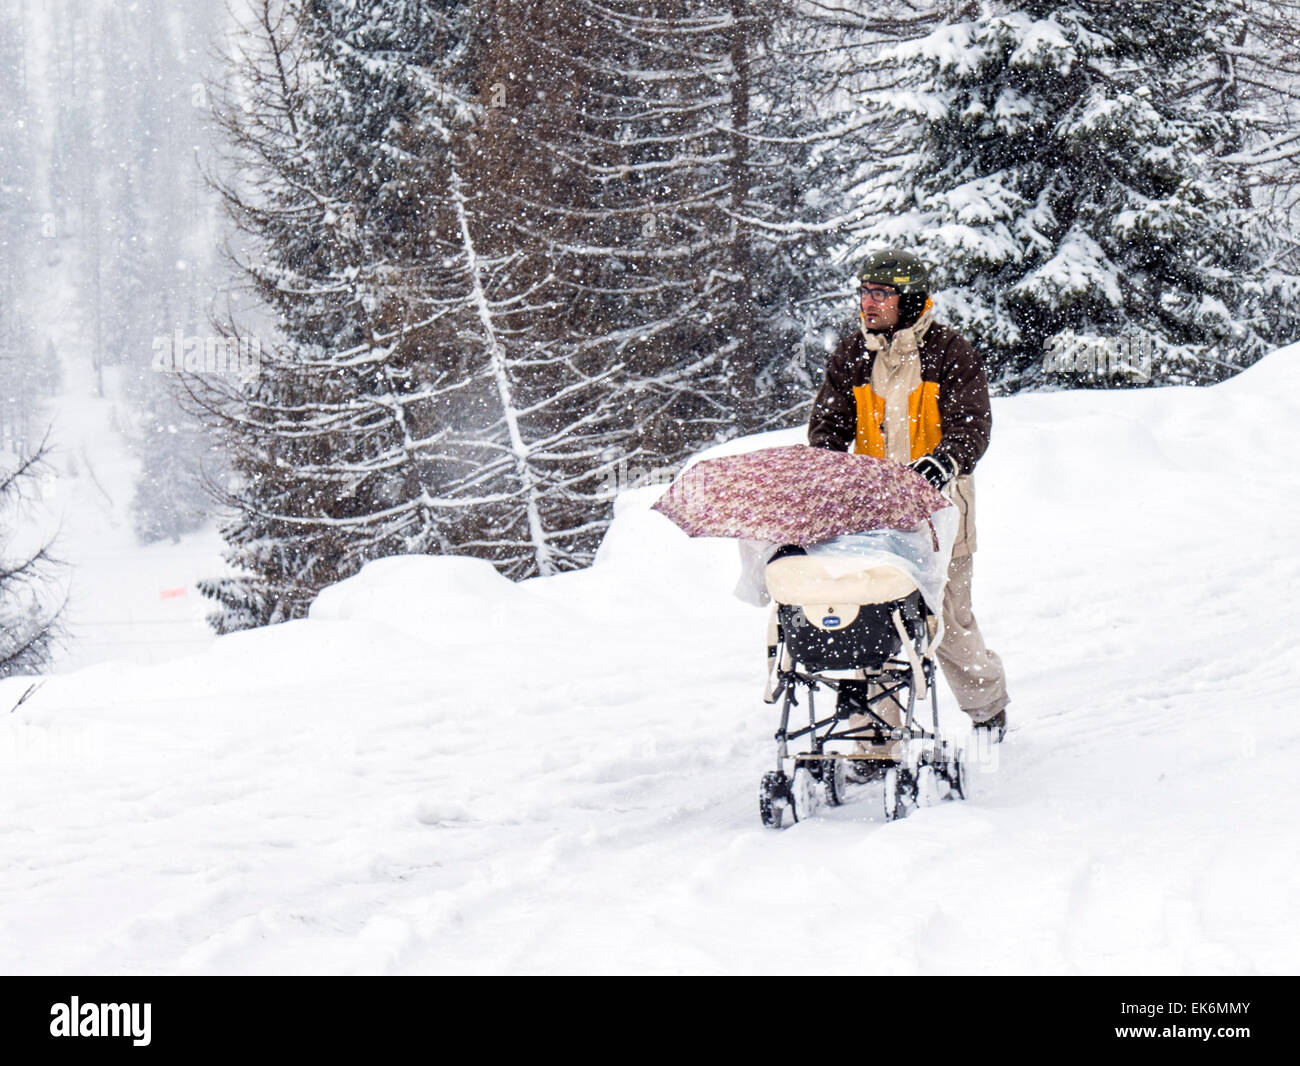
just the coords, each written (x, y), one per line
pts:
(992, 729)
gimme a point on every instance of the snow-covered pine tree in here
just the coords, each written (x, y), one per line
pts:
(1058, 164)
(789, 148)
(327, 473)
(796, 138)
(815, 148)
(30, 608)
(522, 429)
(662, 158)
(1259, 69)
(530, 423)
(18, 389)
(16, 207)
(589, 162)
(173, 492)
(405, 402)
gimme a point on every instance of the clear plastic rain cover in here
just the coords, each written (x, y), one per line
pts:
(911, 551)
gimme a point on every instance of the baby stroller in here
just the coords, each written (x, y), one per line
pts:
(861, 628)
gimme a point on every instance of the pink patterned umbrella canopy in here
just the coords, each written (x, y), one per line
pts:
(797, 495)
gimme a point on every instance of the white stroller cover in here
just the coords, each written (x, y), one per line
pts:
(913, 552)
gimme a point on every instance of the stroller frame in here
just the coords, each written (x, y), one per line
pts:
(924, 763)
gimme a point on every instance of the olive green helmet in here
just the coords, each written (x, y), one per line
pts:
(902, 270)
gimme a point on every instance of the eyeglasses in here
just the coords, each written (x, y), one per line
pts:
(878, 295)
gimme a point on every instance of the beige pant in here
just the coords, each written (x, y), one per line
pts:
(974, 673)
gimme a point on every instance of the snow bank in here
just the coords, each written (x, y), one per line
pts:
(444, 601)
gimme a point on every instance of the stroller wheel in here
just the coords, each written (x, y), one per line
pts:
(900, 793)
(956, 774)
(773, 798)
(830, 776)
(927, 787)
(805, 792)
(834, 774)
(891, 793)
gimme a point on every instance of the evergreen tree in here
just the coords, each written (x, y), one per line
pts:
(20, 384)
(590, 163)
(816, 147)
(1058, 165)
(173, 494)
(1259, 69)
(324, 120)
(663, 162)
(424, 391)
(29, 609)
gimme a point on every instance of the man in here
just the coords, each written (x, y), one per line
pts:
(903, 387)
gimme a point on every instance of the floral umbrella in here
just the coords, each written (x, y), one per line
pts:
(798, 495)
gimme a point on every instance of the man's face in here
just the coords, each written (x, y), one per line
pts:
(879, 306)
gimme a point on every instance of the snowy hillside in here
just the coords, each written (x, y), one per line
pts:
(441, 771)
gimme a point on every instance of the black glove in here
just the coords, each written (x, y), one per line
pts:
(938, 470)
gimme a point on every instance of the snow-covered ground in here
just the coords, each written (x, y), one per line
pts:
(440, 771)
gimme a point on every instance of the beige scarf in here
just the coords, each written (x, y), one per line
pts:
(895, 375)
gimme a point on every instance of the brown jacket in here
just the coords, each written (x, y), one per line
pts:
(948, 412)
